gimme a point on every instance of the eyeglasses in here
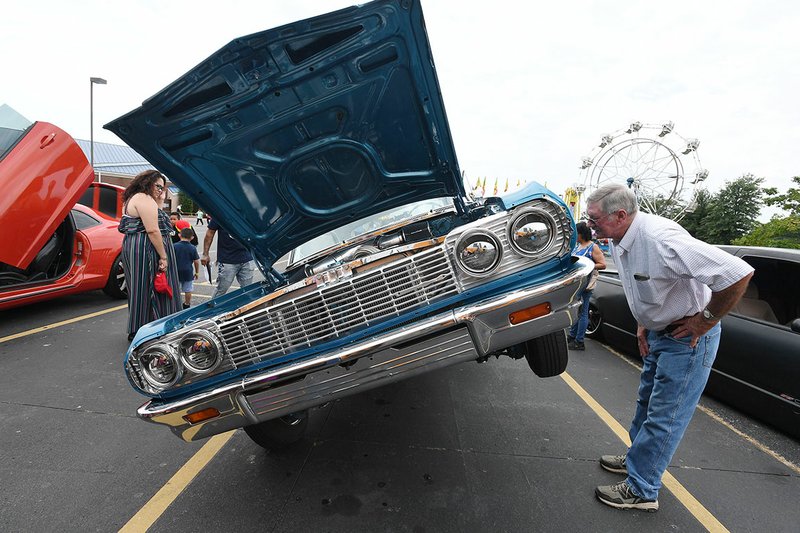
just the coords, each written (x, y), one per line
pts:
(594, 221)
(160, 188)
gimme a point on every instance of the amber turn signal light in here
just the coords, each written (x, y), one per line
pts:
(529, 313)
(199, 416)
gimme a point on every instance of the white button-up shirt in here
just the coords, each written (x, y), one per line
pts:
(667, 274)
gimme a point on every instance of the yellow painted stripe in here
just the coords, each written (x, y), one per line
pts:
(162, 499)
(73, 320)
(62, 323)
(706, 519)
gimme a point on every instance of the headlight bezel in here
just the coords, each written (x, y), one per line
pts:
(144, 367)
(511, 229)
(199, 334)
(467, 238)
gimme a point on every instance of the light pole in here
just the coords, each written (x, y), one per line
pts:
(92, 81)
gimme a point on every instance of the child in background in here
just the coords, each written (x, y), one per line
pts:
(188, 262)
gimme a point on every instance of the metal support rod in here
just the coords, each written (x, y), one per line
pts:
(92, 81)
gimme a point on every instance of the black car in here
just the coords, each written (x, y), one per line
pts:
(757, 369)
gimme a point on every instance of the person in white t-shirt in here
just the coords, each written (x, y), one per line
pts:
(677, 288)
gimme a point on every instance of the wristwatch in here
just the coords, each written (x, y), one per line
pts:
(708, 315)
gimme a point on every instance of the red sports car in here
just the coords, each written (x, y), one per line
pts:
(51, 246)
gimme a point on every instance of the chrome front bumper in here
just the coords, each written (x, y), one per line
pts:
(462, 334)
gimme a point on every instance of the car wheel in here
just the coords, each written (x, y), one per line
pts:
(547, 355)
(279, 433)
(116, 287)
(595, 322)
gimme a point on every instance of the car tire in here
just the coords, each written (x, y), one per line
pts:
(547, 355)
(116, 286)
(279, 433)
(594, 327)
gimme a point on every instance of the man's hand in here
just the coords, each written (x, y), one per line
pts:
(721, 302)
(641, 338)
(695, 325)
(207, 240)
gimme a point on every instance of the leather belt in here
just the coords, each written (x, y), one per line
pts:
(671, 327)
(667, 330)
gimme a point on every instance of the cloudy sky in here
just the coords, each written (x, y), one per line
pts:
(529, 87)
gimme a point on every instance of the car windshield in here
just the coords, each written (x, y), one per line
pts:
(369, 224)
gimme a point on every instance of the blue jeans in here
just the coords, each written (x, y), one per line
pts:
(578, 329)
(673, 378)
(243, 272)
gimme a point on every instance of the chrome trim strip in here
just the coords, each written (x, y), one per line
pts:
(37, 293)
(370, 372)
(471, 315)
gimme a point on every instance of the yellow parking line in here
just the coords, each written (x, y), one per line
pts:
(72, 320)
(62, 323)
(706, 519)
(162, 499)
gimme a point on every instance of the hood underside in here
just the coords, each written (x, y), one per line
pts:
(289, 133)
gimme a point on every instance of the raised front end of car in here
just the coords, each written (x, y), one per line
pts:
(392, 304)
(325, 144)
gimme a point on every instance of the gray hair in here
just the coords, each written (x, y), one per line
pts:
(613, 197)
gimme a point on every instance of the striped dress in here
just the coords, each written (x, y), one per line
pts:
(140, 260)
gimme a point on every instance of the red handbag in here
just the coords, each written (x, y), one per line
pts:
(161, 284)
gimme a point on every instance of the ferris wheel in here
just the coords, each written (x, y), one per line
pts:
(662, 167)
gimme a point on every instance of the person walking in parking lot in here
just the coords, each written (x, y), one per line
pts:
(677, 288)
(233, 259)
(188, 265)
(585, 248)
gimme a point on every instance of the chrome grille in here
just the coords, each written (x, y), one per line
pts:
(337, 310)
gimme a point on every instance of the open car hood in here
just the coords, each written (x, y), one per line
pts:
(43, 171)
(286, 134)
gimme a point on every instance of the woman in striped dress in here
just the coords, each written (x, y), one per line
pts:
(147, 249)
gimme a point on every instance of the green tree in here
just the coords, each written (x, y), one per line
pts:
(777, 233)
(734, 211)
(187, 204)
(693, 219)
(790, 201)
(665, 207)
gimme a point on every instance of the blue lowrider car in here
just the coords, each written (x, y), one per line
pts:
(326, 141)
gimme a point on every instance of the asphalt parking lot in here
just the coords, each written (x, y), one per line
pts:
(476, 447)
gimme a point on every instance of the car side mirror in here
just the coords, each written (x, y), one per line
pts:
(795, 325)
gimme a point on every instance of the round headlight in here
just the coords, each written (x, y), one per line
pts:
(160, 367)
(200, 351)
(478, 252)
(531, 232)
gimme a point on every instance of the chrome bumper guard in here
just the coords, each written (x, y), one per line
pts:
(462, 334)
